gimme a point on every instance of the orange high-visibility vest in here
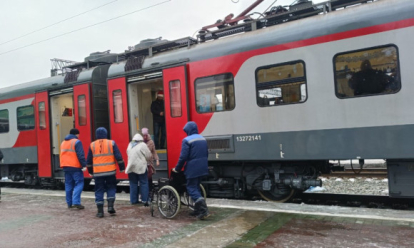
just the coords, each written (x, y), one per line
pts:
(103, 156)
(68, 157)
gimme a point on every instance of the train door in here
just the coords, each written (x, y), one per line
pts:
(82, 114)
(62, 121)
(142, 92)
(43, 135)
(176, 110)
(118, 116)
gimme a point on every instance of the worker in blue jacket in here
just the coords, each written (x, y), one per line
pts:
(72, 161)
(194, 158)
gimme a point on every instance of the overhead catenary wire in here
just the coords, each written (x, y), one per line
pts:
(79, 29)
(56, 23)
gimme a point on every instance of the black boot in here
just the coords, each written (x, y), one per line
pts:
(196, 211)
(111, 208)
(100, 213)
(203, 214)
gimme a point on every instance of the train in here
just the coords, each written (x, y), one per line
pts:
(277, 98)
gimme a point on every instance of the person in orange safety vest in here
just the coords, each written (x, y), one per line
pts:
(72, 160)
(102, 158)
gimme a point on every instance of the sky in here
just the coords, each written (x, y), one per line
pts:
(169, 19)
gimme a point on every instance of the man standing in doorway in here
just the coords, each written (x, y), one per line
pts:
(102, 158)
(72, 160)
(158, 117)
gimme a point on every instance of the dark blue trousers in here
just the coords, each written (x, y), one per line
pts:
(134, 188)
(73, 187)
(193, 188)
(105, 184)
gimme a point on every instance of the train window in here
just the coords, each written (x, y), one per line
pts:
(118, 113)
(4, 121)
(175, 98)
(82, 110)
(215, 93)
(281, 84)
(42, 115)
(372, 71)
(25, 118)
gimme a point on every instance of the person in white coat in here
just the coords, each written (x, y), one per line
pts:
(138, 157)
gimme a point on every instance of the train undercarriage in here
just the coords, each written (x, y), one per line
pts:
(272, 181)
(26, 172)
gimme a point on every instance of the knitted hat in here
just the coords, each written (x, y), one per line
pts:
(145, 131)
(74, 131)
(160, 93)
(101, 133)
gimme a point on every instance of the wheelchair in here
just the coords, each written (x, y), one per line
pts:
(170, 194)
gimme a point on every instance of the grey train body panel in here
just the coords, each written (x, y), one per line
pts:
(391, 142)
(335, 22)
(19, 155)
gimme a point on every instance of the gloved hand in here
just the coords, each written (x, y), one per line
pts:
(84, 169)
(173, 170)
(90, 175)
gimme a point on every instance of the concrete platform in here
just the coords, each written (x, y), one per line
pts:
(40, 218)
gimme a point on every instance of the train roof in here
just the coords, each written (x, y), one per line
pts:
(42, 84)
(357, 17)
(189, 49)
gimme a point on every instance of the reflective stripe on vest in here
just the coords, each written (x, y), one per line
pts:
(103, 156)
(68, 156)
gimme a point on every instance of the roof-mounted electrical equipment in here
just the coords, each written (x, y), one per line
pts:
(299, 9)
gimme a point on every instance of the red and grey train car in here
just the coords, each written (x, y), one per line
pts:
(278, 103)
(275, 104)
(36, 117)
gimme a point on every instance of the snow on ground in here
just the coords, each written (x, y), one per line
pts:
(357, 185)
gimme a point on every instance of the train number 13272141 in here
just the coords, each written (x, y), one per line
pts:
(244, 138)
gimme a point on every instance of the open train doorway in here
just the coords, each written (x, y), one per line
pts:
(62, 121)
(141, 95)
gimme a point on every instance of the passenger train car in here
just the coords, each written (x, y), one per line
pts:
(36, 117)
(296, 89)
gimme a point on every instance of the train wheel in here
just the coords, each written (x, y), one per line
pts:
(168, 202)
(276, 195)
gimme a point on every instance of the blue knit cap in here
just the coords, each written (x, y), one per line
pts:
(101, 133)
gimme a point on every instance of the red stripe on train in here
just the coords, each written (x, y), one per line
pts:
(17, 98)
(232, 63)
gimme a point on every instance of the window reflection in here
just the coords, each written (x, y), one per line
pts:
(215, 93)
(367, 72)
(281, 84)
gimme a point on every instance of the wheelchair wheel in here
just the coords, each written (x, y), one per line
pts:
(188, 201)
(168, 202)
(153, 203)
